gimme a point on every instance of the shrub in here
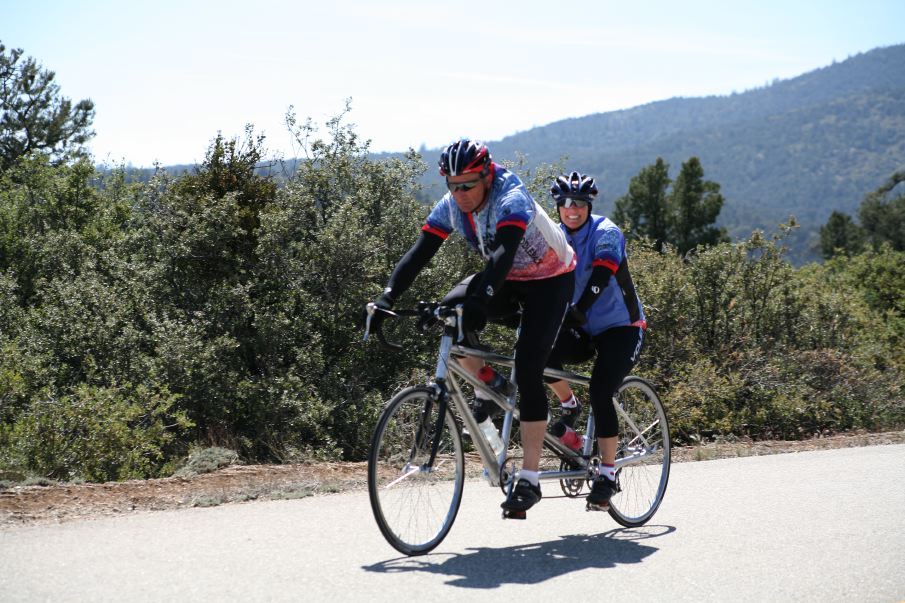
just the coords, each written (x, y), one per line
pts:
(96, 434)
(207, 460)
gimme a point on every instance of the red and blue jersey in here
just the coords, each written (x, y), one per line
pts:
(543, 252)
(599, 242)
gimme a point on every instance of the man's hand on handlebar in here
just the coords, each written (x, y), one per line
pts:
(376, 311)
(428, 314)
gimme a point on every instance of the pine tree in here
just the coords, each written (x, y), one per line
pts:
(642, 211)
(34, 117)
(883, 216)
(882, 221)
(694, 205)
(682, 217)
(840, 235)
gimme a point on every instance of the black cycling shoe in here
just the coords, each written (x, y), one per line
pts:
(523, 496)
(566, 421)
(481, 409)
(568, 416)
(601, 493)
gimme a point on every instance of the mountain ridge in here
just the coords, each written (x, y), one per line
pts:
(801, 147)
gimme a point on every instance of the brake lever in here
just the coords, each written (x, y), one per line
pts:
(372, 309)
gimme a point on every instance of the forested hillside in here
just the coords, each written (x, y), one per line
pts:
(801, 147)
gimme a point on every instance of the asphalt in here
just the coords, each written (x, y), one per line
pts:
(813, 526)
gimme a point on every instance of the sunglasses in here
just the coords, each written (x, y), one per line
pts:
(567, 203)
(462, 186)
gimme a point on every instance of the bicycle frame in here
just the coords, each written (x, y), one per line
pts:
(450, 371)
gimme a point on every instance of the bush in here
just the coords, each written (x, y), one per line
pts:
(207, 460)
(97, 434)
(740, 343)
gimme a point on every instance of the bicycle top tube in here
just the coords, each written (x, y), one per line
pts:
(427, 311)
(509, 361)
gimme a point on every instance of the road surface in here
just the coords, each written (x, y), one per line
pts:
(813, 526)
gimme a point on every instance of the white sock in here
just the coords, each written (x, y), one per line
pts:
(608, 471)
(531, 476)
(572, 402)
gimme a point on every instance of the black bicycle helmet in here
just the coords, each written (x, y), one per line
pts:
(465, 157)
(573, 186)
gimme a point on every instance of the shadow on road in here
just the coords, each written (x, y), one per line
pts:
(487, 567)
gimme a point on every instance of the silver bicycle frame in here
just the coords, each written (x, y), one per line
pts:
(451, 371)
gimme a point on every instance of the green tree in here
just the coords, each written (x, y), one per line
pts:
(49, 215)
(682, 217)
(34, 117)
(693, 206)
(192, 243)
(643, 209)
(234, 166)
(883, 218)
(882, 222)
(336, 231)
(840, 235)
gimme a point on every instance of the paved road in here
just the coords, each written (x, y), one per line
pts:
(816, 526)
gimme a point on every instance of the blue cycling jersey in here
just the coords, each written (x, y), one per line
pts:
(543, 251)
(599, 242)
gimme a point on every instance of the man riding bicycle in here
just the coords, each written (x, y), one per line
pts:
(529, 266)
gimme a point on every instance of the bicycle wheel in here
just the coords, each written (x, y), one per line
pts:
(642, 454)
(415, 504)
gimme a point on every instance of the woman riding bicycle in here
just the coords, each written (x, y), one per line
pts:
(605, 317)
(529, 266)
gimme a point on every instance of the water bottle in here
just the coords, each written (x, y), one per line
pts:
(495, 381)
(571, 439)
(492, 435)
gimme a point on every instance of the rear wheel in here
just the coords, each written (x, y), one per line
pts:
(415, 502)
(642, 455)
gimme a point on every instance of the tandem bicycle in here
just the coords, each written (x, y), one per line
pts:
(417, 461)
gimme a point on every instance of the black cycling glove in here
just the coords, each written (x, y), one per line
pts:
(384, 302)
(574, 317)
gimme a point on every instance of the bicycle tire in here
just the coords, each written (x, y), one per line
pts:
(415, 506)
(642, 484)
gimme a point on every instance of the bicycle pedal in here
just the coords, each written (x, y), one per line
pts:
(513, 514)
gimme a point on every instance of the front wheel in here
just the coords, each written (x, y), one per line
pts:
(642, 454)
(414, 501)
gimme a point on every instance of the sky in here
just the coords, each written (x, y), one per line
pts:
(166, 77)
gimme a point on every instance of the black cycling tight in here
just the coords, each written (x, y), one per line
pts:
(543, 304)
(617, 352)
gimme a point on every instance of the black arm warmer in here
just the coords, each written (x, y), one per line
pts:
(600, 276)
(500, 263)
(412, 262)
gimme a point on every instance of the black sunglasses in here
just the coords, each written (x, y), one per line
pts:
(464, 186)
(567, 203)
